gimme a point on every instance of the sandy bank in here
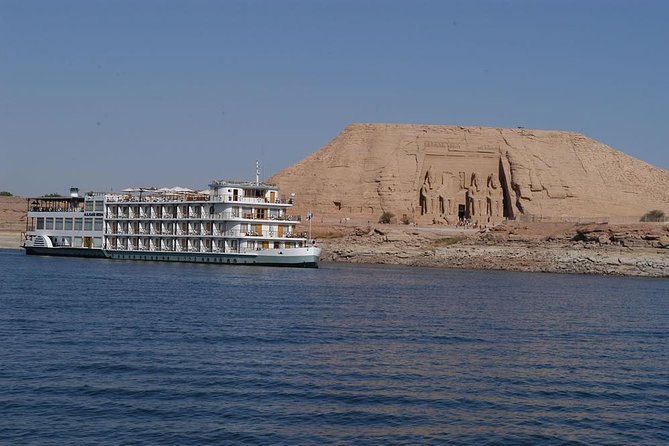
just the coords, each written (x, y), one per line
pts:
(10, 240)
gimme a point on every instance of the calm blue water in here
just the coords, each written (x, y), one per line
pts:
(103, 352)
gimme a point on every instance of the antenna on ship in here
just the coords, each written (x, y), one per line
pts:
(257, 172)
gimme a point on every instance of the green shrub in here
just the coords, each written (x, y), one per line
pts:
(4, 193)
(386, 217)
(654, 215)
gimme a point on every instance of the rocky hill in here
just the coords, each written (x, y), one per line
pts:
(445, 174)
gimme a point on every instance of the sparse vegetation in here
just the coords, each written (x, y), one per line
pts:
(4, 193)
(654, 216)
(386, 217)
(406, 219)
(446, 241)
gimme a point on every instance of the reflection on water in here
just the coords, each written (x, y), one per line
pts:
(96, 351)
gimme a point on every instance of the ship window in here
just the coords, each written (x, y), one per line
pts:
(40, 222)
(58, 224)
(49, 223)
(78, 242)
(97, 242)
(99, 206)
(77, 224)
(88, 224)
(89, 206)
(98, 224)
(68, 224)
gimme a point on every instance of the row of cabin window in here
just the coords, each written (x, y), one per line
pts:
(94, 206)
(77, 241)
(69, 223)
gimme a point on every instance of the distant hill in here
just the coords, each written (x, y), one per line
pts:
(440, 174)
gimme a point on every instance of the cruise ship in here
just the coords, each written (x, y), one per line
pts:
(231, 223)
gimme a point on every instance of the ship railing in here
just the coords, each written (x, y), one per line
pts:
(271, 217)
(247, 200)
(260, 200)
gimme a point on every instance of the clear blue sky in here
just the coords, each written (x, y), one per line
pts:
(111, 94)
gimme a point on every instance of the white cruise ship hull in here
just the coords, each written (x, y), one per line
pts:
(293, 257)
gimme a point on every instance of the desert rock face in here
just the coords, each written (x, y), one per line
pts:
(442, 174)
(12, 214)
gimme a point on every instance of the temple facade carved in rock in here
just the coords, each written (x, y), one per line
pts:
(457, 182)
(451, 193)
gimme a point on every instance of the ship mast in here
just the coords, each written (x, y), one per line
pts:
(257, 172)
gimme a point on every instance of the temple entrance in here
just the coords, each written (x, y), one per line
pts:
(461, 212)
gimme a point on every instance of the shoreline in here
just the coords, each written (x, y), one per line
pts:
(619, 250)
(519, 259)
(597, 249)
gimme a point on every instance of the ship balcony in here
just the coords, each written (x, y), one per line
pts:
(256, 200)
(255, 217)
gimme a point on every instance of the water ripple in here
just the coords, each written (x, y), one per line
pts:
(101, 352)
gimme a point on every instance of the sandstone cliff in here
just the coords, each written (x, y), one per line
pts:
(443, 174)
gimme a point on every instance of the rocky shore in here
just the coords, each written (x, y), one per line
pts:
(629, 250)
